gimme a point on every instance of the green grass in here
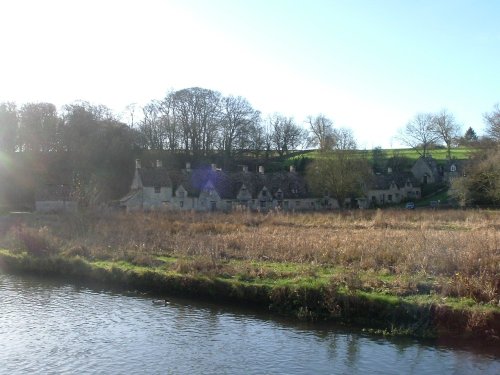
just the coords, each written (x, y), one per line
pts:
(459, 153)
(298, 291)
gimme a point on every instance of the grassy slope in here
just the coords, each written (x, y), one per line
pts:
(460, 153)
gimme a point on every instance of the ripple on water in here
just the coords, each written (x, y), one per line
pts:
(52, 327)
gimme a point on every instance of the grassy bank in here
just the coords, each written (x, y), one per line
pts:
(420, 273)
(441, 155)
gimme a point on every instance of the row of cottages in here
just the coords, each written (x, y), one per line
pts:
(393, 189)
(426, 170)
(211, 189)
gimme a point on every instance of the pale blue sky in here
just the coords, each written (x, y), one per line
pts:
(368, 65)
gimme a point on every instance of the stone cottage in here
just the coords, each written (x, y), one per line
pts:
(211, 189)
(427, 170)
(151, 188)
(393, 189)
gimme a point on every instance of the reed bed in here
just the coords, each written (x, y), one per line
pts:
(457, 253)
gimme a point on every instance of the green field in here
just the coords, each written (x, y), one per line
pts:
(459, 153)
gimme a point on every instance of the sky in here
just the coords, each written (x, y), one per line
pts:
(369, 65)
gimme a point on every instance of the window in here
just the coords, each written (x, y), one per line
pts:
(181, 204)
(389, 197)
(297, 203)
(157, 189)
(453, 168)
(213, 205)
(180, 194)
(263, 204)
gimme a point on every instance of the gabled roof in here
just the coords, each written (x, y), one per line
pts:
(428, 161)
(383, 182)
(291, 184)
(227, 185)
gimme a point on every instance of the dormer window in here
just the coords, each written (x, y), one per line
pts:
(180, 194)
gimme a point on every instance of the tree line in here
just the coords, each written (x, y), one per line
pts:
(197, 124)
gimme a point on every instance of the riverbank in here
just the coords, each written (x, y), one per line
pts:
(308, 266)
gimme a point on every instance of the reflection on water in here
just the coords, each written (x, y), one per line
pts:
(53, 327)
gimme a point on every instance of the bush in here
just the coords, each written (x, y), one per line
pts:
(37, 242)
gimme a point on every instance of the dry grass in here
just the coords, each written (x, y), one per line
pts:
(459, 250)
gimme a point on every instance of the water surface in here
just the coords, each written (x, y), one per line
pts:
(49, 326)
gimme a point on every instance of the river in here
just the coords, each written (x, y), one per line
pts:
(54, 327)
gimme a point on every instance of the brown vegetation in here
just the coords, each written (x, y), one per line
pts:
(448, 253)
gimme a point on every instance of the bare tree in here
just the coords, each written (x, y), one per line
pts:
(169, 124)
(344, 139)
(130, 114)
(446, 129)
(197, 113)
(492, 120)
(285, 134)
(238, 120)
(419, 133)
(322, 133)
(151, 126)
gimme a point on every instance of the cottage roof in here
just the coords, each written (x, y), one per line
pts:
(428, 162)
(459, 165)
(228, 185)
(154, 177)
(291, 184)
(383, 182)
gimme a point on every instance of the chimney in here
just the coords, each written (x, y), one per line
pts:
(245, 168)
(261, 169)
(137, 163)
(188, 166)
(292, 168)
(389, 170)
(159, 164)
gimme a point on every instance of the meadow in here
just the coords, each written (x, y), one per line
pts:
(440, 154)
(425, 254)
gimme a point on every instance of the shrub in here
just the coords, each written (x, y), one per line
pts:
(37, 242)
